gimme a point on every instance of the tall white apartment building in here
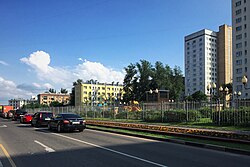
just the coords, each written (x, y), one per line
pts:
(241, 45)
(200, 61)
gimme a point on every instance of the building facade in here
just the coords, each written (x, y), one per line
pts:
(95, 93)
(200, 61)
(18, 103)
(224, 56)
(47, 98)
(241, 45)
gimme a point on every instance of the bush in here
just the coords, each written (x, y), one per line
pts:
(171, 116)
(205, 112)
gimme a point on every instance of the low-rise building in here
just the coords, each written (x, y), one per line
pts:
(47, 98)
(94, 93)
(18, 103)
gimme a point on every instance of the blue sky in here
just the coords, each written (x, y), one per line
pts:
(104, 34)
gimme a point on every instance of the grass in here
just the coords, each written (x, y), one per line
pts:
(245, 147)
(204, 123)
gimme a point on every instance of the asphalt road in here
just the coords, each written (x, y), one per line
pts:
(24, 146)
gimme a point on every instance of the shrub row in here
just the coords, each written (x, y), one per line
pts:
(192, 131)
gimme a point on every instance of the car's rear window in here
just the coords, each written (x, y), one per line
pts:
(47, 115)
(70, 116)
(21, 112)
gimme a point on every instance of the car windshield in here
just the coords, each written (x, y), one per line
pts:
(70, 116)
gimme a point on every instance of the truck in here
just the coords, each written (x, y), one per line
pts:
(4, 110)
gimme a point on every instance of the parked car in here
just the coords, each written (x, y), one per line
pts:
(10, 113)
(17, 114)
(67, 122)
(41, 118)
(26, 118)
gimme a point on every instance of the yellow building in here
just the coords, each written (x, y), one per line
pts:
(47, 98)
(95, 93)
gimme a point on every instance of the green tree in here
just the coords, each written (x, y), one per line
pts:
(145, 73)
(72, 94)
(64, 91)
(199, 96)
(56, 104)
(129, 83)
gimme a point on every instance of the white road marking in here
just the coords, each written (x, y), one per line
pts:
(108, 149)
(132, 137)
(48, 149)
(3, 126)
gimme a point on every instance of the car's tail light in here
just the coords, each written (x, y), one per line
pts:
(40, 116)
(66, 122)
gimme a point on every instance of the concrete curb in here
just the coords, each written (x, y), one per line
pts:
(207, 146)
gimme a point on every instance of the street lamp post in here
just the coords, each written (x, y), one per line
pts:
(211, 89)
(237, 95)
(244, 81)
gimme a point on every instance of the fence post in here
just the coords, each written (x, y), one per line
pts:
(186, 111)
(219, 111)
(143, 116)
(162, 114)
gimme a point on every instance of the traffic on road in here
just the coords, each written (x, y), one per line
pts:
(43, 144)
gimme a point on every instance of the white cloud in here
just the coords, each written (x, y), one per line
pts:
(9, 90)
(97, 71)
(39, 61)
(3, 63)
(64, 77)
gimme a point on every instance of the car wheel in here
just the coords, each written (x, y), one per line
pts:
(59, 128)
(49, 127)
(32, 124)
(38, 125)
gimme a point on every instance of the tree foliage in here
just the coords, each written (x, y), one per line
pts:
(143, 76)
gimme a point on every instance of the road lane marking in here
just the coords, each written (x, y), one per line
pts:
(8, 156)
(123, 135)
(108, 149)
(48, 149)
(3, 126)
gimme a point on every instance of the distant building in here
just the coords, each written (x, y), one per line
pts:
(241, 45)
(224, 58)
(200, 61)
(47, 98)
(208, 59)
(20, 102)
(93, 93)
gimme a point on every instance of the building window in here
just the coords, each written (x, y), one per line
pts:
(238, 37)
(238, 3)
(238, 12)
(239, 70)
(238, 45)
(245, 26)
(238, 20)
(245, 69)
(238, 62)
(239, 28)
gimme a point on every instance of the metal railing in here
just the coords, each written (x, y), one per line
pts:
(166, 112)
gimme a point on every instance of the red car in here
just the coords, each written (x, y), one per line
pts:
(26, 118)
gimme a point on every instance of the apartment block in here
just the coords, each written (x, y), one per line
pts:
(241, 45)
(224, 56)
(18, 103)
(93, 93)
(200, 61)
(47, 98)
